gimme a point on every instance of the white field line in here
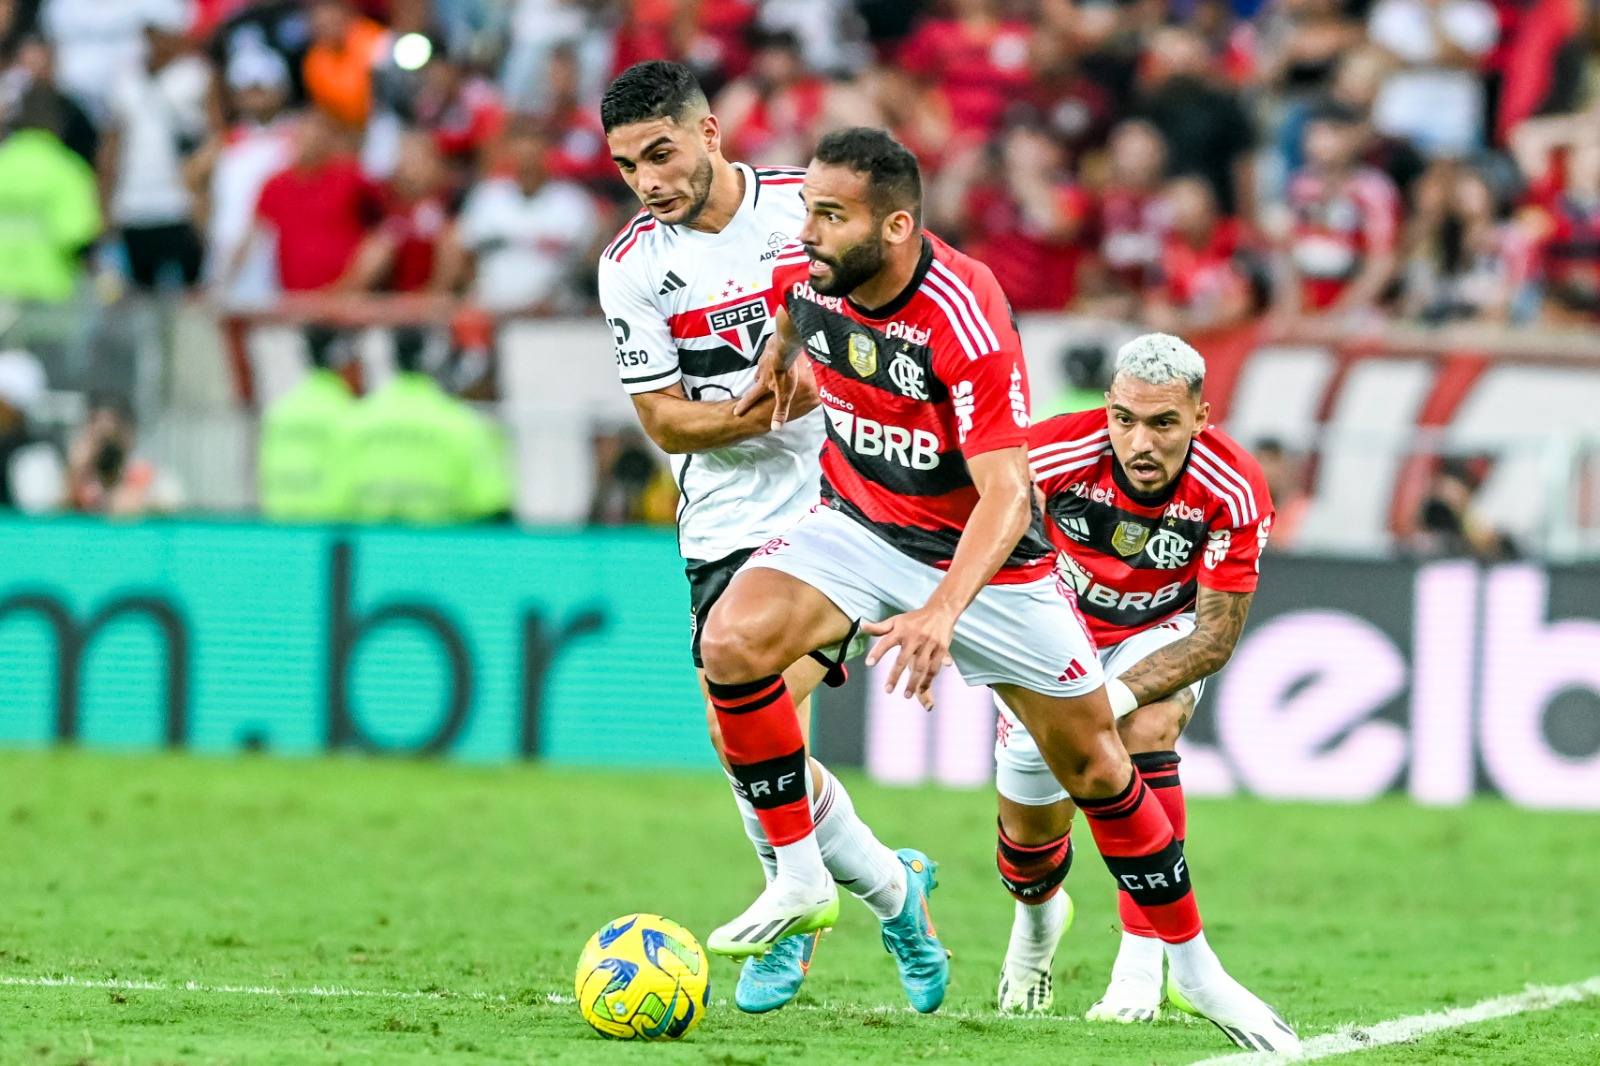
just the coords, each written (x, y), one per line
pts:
(338, 992)
(1345, 1040)
(327, 991)
(1351, 1038)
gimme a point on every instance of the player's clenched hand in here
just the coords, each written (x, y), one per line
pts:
(923, 637)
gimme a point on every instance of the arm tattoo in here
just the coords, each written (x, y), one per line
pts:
(1219, 618)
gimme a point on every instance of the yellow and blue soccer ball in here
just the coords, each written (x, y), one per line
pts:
(643, 977)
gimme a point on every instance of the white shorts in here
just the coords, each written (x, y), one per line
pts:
(1026, 635)
(1020, 771)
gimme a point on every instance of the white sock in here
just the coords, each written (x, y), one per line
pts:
(1139, 959)
(1035, 931)
(1194, 964)
(857, 861)
(753, 830)
(800, 867)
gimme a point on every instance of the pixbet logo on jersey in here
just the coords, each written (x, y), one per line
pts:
(906, 331)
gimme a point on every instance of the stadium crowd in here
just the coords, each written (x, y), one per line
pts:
(1186, 162)
(1183, 164)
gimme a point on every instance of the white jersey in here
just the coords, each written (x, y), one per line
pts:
(697, 308)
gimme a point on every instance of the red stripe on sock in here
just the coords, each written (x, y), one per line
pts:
(787, 824)
(1145, 830)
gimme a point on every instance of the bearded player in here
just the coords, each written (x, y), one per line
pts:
(930, 537)
(687, 289)
(1160, 519)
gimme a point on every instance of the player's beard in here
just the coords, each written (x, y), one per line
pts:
(699, 192)
(850, 269)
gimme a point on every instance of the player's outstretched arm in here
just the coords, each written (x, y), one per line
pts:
(1001, 517)
(1219, 619)
(678, 424)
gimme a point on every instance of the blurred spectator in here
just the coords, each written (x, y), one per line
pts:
(1084, 367)
(1072, 108)
(229, 173)
(1340, 234)
(401, 255)
(1539, 68)
(579, 151)
(345, 49)
(417, 454)
(1206, 129)
(1024, 216)
(1449, 524)
(49, 204)
(976, 61)
(157, 119)
(1560, 158)
(31, 474)
(1201, 283)
(105, 475)
(538, 29)
(632, 486)
(707, 36)
(831, 33)
(1356, 85)
(1131, 220)
(1285, 475)
(463, 111)
(98, 41)
(1470, 263)
(279, 26)
(775, 114)
(303, 462)
(1301, 45)
(1435, 97)
(526, 236)
(33, 64)
(319, 210)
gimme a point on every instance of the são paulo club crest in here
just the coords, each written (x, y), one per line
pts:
(742, 324)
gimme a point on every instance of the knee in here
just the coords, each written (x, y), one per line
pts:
(1105, 772)
(1155, 727)
(737, 647)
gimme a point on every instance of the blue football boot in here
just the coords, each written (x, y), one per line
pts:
(772, 980)
(909, 936)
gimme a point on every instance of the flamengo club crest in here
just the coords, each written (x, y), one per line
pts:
(863, 355)
(907, 376)
(742, 325)
(1129, 538)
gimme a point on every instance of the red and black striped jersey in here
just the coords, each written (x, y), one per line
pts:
(1137, 560)
(912, 390)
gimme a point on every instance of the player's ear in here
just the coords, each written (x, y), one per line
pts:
(899, 227)
(711, 134)
(1202, 417)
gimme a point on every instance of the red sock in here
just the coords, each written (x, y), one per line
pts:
(1135, 839)
(1160, 771)
(1033, 872)
(761, 739)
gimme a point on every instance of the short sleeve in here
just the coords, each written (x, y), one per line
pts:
(647, 357)
(978, 355)
(1231, 559)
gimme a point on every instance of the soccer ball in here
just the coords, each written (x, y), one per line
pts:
(643, 977)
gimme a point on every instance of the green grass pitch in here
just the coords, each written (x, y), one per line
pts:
(480, 885)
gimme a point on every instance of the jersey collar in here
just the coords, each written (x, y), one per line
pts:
(898, 304)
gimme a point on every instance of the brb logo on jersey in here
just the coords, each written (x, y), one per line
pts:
(915, 449)
(742, 325)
